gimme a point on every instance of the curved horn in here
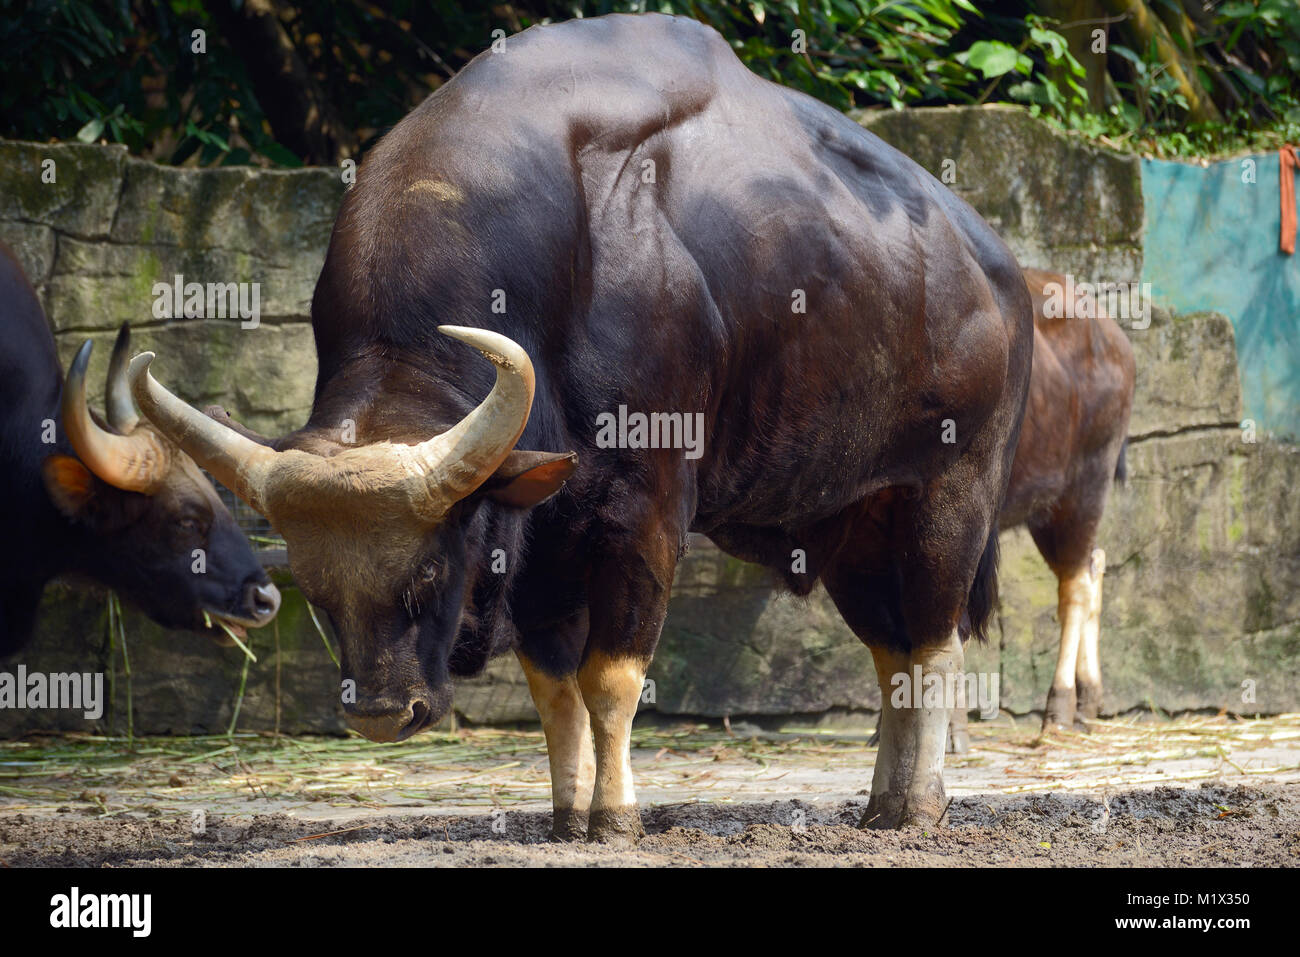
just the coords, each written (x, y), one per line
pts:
(117, 392)
(238, 463)
(461, 459)
(135, 463)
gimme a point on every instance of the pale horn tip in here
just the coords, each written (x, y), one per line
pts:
(139, 365)
(500, 350)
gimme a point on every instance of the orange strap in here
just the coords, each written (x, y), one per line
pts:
(1287, 177)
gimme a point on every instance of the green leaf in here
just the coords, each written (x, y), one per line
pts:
(992, 58)
(1050, 39)
(91, 131)
(1028, 92)
(239, 157)
(184, 150)
(279, 155)
(1250, 79)
(1138, 63)
(1235, 11)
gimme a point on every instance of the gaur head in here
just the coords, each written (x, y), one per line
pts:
(382, 535)
(152, 526)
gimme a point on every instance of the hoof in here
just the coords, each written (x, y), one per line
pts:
(1059, 713)
(568, 825)
(892, 812)
(875, 819)
(619, 826)
(1089, 697)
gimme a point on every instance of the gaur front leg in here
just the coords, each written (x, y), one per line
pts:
(567, 726)
(611, 687)
(907, 786)
(628, 600)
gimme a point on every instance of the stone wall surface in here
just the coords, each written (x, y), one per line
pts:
(1202, 599)
(96, 240)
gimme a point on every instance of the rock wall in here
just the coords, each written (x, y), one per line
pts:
(96, 240)
(1202, 606)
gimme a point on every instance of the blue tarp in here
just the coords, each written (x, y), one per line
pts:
(1212, 243)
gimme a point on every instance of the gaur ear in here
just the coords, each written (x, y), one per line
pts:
(526, 478)
(70, 484)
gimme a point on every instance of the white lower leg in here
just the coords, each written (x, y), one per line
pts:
(958, 733)
(907, 786)
(889, 731)
(1074, 593)
(568, 747)
(1088, 669)
(611, 689)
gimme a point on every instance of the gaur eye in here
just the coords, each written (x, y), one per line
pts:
(430, 572)
(189, 525)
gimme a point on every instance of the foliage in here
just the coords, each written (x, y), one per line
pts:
(1249, 56)
(125, 71)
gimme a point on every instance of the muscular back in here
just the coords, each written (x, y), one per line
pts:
(672, 233)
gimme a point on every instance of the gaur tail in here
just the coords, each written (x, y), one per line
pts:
(983, 597)
(1121, 466)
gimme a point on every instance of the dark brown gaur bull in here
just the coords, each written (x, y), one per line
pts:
(112, 501)
(625, 221)
(1071, 449)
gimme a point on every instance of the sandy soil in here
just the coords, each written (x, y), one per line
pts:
(1197, 791)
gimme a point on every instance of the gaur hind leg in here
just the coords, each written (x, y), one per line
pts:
(904, 601)
(1066, 544)
(958, 720)
(1072, 592)
(1087, 678)
(907, 784)
(550, 663)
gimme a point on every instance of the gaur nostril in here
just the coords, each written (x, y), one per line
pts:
(383, 719)
(262, 600)
(419, 718)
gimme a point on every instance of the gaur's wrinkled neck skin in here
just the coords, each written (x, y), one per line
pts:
(487, 627)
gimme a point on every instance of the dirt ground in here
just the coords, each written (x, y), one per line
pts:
(1204, 791)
